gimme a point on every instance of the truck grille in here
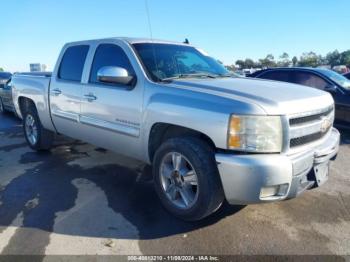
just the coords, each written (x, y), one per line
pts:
(311, 127)
(299, 141)
(305, 119)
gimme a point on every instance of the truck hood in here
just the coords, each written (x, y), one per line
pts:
(275, 98)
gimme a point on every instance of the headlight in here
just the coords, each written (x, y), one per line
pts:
(255, 133)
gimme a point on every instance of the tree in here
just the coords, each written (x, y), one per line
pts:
(270, 57)
(309, 59)
(333, 58)
(249, 63)
(240, 63)
(322, 60)
(284, 60)
(1, 69)
(345, 58)
(268, 61)
(231, 68)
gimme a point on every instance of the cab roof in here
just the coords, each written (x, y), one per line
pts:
(132, 40)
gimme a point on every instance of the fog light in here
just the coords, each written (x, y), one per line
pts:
(271, 191)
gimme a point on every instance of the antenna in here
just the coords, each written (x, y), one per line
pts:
(151, 34)
(149, 19)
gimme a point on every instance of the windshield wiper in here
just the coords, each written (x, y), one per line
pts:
(180, 76)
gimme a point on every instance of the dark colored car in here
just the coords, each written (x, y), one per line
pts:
(347, 75)
(320, 78)
(4, 77)
(6, 103)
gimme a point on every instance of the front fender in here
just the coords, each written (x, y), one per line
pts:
(206, 117)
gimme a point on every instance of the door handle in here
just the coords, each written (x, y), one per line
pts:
(56, 92)
(90, 97)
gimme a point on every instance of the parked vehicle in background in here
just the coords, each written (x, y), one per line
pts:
(347, 75)
(327, 80)
(239, 73)
(208, 135)
(341, 69)
(248, 72)
(6, 103)
(4, 77)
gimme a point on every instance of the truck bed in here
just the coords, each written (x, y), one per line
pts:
(34, 86)
(44, 74)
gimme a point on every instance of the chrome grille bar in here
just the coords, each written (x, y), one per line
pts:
(310, 127)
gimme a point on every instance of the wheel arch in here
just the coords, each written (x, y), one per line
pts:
(24, 103)
(161, 131)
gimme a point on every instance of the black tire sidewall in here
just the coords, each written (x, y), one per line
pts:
(210, 194)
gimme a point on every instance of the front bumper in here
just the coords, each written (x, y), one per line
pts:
(257, 178)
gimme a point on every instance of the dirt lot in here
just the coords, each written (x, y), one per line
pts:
(79, 199)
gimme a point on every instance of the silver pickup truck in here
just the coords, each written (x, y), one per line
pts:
(209, 136)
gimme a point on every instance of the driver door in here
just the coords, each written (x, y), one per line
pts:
(111, 113)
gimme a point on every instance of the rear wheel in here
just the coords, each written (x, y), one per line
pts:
(186, 178)
(38, 138)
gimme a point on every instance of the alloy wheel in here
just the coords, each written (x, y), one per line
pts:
(31, 129)
(179, 180)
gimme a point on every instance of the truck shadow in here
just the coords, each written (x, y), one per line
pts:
(51, 185)
(40, 194)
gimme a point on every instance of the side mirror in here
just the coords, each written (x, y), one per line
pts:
(331, 88)
(114, 75)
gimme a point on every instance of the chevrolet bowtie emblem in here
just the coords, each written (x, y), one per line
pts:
(326, 123)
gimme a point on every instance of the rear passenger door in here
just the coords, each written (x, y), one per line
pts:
(66, 90)
(111, 113)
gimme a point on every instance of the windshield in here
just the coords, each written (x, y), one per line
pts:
(338, 78)
(177, 61)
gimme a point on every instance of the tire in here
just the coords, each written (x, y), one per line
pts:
(37, 137)
(204, 193)
(2, 108)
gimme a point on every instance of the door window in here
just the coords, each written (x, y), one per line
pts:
(72, 64)
(276, 75)
(109, 55)
(309, 79)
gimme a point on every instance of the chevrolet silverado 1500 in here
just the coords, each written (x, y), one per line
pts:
(209, 136)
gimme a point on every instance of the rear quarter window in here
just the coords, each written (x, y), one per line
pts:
(72, 63)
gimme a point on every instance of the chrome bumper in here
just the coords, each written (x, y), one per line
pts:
(257, 178)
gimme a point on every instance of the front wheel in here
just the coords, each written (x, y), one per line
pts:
(187, 179)
(38, 138)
